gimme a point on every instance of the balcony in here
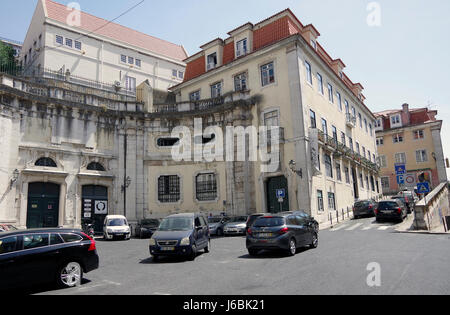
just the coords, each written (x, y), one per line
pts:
(350, 120)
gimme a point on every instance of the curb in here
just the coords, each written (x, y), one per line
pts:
(423, 232)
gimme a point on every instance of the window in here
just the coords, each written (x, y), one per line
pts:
(95, 166)
(335, 135)
(308, 72)
(131, 60)
(339, 99)
(380, 141)
(328, 165)
(331, 201)
(45, 162)
(347, 175)
(365, 125)
(370, 130)
(395, 120)
(421, 156)
(194, 96)
(382, 162)
(78, 45)
(212, 61)
(267, 74)
(400, 158)
(398, 138)
(174, 73)
(206, 187)
(320, 83)
(138, 63)
(35, 241)
(241, 48)
(320, 206)
(364, 151)
(361, 180)
(312, 116)
(314, 44)
(338, 172)
(8, 245)
(385, 182)
(347, 107)
(180, 74)
(72, 238)
(240, 82)
(343, 139)
(357, 148)
(369, 156)
(130, 83)
(123, 58)
(324, 127)
(418, 134)
(350, 143)
(360, 120)
(169, 189)
(330, 93)
(59, 40)
(55, 239)
(69, 42)
(216, 90)
(378, 123)
(271, 119)
(353, 111)
(167, 142)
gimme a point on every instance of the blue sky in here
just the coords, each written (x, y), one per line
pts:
(403, 60)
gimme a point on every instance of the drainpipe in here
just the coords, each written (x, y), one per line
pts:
(125, 175)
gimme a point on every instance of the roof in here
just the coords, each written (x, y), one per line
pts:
(99, 26)
(42, 230)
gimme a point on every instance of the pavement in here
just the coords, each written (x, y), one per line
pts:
(413, 264)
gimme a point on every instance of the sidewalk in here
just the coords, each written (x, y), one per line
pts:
(327, 225)
(408, 227)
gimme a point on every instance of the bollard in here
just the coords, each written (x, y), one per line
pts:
(337, 215)
(331, 219)
(343, 215)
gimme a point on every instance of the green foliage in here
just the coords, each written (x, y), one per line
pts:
(8, 63)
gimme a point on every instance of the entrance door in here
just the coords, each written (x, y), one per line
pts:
(43, 205)
(273, 185)
(355, 184)
(95, 206)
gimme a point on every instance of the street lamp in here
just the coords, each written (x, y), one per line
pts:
(15, 176)
(292, 165)
(126, 184)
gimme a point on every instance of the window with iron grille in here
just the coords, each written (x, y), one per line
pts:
(169, 189)
(206, 187)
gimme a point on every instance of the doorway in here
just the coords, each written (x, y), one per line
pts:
(43, 205)
(273, 185)
(94, 206)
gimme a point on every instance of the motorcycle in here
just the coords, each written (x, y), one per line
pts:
(88, 228)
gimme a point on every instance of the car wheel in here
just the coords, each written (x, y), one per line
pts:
(208, 247)
(253, 252)
(292, 247)
(356, 217)
(155, 258)
(315, 241)
(193, 254)
(70, 275)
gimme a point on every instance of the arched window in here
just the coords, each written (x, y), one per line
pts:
(46, 162)
(95, 166)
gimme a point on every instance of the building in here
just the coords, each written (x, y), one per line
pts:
(16, 45)
(90, 48)
(74, 152)
(411, 137)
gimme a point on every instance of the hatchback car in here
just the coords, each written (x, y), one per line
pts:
(216, 225)
(407, 200)
(252, 218)
(393, 209)
(364, 208)
(29, 257)
(236, 226)
(181, 235)
(116, 226)
(285, 231)
(146, 227)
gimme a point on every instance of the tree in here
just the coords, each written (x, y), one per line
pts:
(8, 62)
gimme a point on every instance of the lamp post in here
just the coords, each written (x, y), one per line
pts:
(15, 176)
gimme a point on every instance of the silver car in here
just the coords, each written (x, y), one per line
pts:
(216, 225)
(236, 226)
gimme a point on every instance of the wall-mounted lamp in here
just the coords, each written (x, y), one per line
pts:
(292, 166)
(126, 184)
(434, 156)
(15, 176)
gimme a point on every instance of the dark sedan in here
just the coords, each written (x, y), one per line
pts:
(283, 231)
(146, 227)
(393, 209)
(30, 257)
(364, 208)
(407, 200)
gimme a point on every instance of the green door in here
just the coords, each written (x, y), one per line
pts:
(43, 205)
(275, 184)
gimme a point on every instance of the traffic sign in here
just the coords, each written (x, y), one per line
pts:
(281, 193)
(400, 169)
(423, 188)
(401, 179)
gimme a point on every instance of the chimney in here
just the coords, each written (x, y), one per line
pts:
(406, 114)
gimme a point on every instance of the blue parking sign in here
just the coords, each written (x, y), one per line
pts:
(401, 179)
(281, 193)
(400, 169)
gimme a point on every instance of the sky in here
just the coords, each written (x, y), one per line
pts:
(397, 49)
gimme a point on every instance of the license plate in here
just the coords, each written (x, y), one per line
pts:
(387, 211)
(263, 235)
(167, 249)
(119, 234)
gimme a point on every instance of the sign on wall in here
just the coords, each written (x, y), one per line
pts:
(101, 207)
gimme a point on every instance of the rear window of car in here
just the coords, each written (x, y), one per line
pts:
(35, 241)
(386, 205)
(269, 222)
(71, 238)
(150, 222)
(362, 203)
(8, 245)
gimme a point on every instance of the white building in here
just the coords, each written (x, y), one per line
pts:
(64, 39)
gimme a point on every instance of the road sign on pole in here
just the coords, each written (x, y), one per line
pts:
(281, 193)
(423, 188)
(400, 179)
(400, 169)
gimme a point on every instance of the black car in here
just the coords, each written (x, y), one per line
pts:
(364, 208)
(146, 227)
(407, 200)
(393, 209)
(30, 257)
(283, 231)
(181, 235)
(252, 218)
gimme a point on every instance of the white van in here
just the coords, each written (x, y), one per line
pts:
(116, 226)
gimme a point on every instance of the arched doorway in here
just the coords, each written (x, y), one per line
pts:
(95, 205)
(43, 205)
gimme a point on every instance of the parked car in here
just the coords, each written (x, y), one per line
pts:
(391, 209)
(283, 231)
(116, 226)
(364, 208)
(146, 227)
(410, 194)
(29, 257)
(407, 200)
(7, 228)
(181, 235)
(252, 218)
(216, 224)
(236, 226)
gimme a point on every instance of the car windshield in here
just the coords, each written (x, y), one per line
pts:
(153, 222)
(177, 224)
(387, 205)
(269, 222)
(214, 220)
(238, 219)
(116, 222)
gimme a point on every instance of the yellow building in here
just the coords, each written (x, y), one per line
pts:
(411, 137)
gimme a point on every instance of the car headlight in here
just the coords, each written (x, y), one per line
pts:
(152, 242)
(109, 231)
(185, 241)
